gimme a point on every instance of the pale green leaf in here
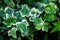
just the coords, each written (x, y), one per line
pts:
(56, 27)
(12, 32)
(51, 8)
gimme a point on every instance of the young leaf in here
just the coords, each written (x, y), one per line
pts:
(12, 32)
(49, 18)
(9, 3)
(51, 8)
(22, 28)
(45, 27)
(56, 27)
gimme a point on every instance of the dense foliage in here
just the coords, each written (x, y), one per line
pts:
(29, 19)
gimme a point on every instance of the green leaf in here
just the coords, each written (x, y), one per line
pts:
(45, 37)
(38, 22)
(18, 15)
(45, 27)
(31, 30)
(12, 32)
(9, 3)
(1, 38)
(22, 28)
(24, 11)
(56, 27)
(50, 8)
(10, 21)
(35, 13)
(40, 6)
(9, 10)
(44, 1)
(25, 22)
(2, 13)
(49, 18)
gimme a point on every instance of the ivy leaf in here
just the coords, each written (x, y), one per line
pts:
(18, 15)
(53, 0)
(59, 1)
(44, 1)
(12, 32)
(2, 13)
(51, 8)
(24, 11)
(35, 13)
(23, 29)
(38, 22)
(10, 21)
(24, 21)
(31, 19)
(49, 18)
(31, 30)
(40, 6)
(9, 10)
(41, 25)
(45, 27)
(56, 27)
(9, 3)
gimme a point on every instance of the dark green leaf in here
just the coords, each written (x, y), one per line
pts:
(2, 13)
(9, 3)
(10, 21)
(24, 11)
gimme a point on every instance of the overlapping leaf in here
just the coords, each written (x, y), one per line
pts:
(9, 3)
(39, 24)
(56, 27)
(12, 32)
(24, 11)
(10, 21)
(49, 18)
(51, 8)
(22, 26)
(18, 15)
(2, 13)
(9, 10)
